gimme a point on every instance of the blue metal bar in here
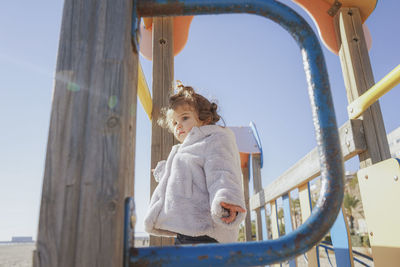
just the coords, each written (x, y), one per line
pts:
(327, 253)
(341, 242)
(328, 205)
(355, 252)
(129, 240)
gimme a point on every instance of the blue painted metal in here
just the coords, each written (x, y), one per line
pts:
(129, 239)
(328, 205)
(258, 140)
(354, 251)
(288, 221)
(327, 254)
(340, 242)
(323, 245)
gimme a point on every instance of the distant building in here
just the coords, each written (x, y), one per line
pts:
(394, 143)
(21, 239)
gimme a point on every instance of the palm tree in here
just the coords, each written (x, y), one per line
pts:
(350, 204)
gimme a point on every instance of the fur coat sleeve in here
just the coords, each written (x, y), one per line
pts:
(224, 177)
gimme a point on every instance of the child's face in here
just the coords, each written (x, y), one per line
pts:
(183, 119)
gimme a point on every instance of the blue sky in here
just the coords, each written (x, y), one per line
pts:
(249, 65)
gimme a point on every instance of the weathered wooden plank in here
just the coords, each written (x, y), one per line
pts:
(257, 187)
(358, 78)
(305, 206)
(352, 143)
(247, 220)
(274, 220)
(163, 76)
(274, 225)
(89, 167)
(287, 215)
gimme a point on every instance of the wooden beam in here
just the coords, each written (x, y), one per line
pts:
(352, 143)
(358, 78)
(257, 187)
(89, 169)
(247, 221)
(163, 76)
(305, 207)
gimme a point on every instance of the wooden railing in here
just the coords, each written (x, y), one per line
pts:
(352, 142)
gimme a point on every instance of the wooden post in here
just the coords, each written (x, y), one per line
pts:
(306, 208)
(358, 78)
(257, 187)
(163, 75)
(91, 145)
(247, 221)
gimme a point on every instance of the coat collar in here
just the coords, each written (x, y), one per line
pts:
(198, 133)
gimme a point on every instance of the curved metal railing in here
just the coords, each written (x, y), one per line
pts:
(329, 202)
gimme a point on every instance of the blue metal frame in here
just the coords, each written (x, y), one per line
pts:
(328, 205)
(340, 242)
(326, 246)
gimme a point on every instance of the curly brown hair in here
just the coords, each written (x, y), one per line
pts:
(206, 110)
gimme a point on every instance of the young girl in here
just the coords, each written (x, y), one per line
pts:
(199, 198)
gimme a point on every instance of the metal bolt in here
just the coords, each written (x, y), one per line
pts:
(162, 41)
(371, 234)
(346, 130)
(366, 176)
(351, 110)
(347, 143)
(396, 178)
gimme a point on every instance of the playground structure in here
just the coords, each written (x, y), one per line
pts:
(82, 210)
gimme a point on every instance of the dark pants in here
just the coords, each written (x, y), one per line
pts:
(185, 239)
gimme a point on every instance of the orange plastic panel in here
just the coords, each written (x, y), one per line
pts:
(181, 32)
(318, 10)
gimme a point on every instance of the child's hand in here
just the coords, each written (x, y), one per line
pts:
(233, 211)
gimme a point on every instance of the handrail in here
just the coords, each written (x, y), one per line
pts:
(358, 106)
(352, 142)
(328, 205)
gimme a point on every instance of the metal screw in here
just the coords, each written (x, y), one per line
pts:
(396, 178)
(351, 110)
(371, 234)
(366, 176)
(347, 143)
(346, 130)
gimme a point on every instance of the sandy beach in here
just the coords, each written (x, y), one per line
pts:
(16, 254)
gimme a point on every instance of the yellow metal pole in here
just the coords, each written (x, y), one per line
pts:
(358, 106)
(144, 92)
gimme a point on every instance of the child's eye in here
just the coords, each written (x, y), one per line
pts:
(185, 118)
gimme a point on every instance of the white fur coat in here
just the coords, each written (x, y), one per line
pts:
(198, 175)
